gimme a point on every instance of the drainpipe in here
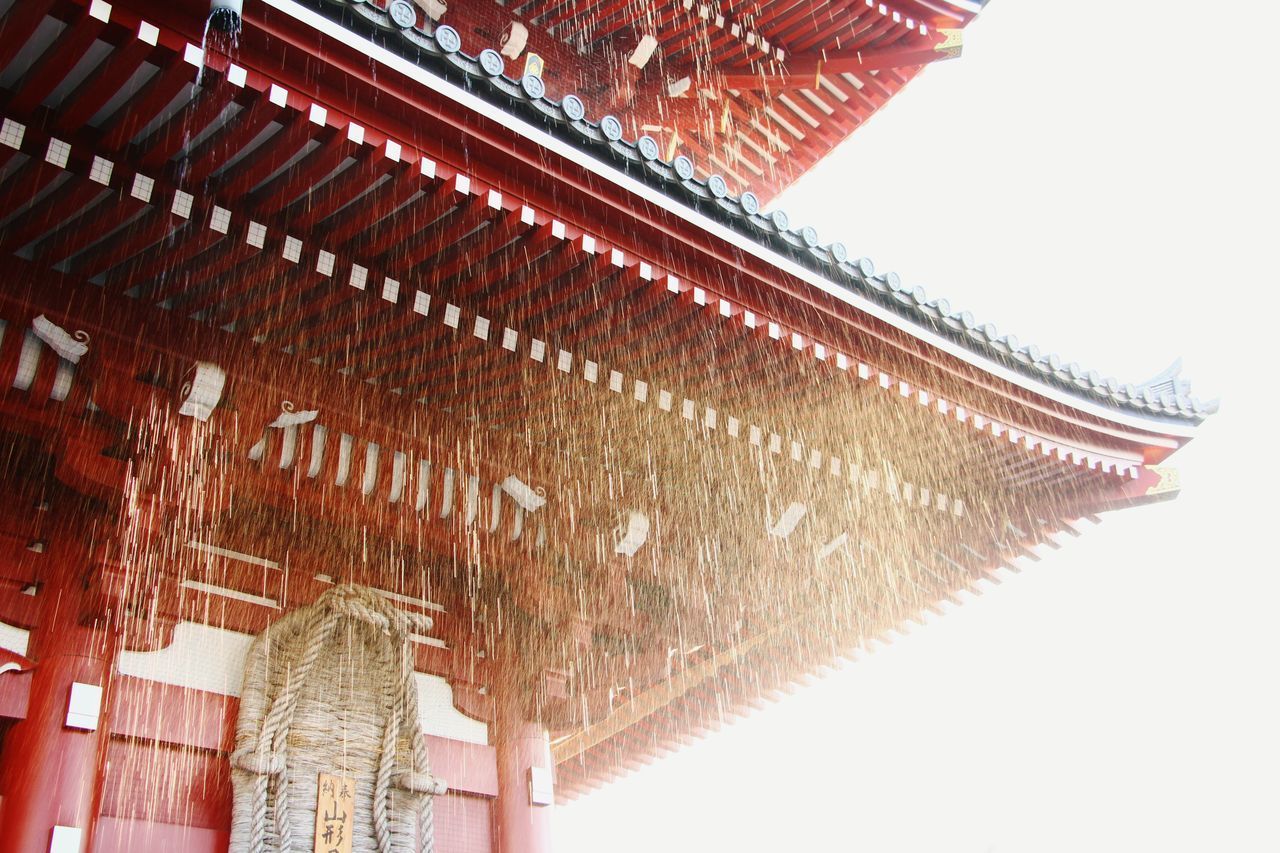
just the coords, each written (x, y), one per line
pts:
(224, 15)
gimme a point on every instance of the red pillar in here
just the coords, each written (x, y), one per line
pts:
(50, 772)
(522, 827)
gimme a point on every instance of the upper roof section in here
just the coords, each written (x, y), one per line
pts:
(576, 120)
(756, 90)
(373, 75)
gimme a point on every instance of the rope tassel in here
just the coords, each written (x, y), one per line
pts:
(330, 688)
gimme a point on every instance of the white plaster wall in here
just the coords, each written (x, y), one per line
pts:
(14, 639)
(204, 657)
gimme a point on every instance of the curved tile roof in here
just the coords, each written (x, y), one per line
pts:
(1165, 396)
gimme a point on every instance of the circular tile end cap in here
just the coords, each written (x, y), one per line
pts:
(533, 86)
(611, 128)
(491, 62)
(402, 13)
(683, 166)
(573, 108)
(448, 39)
(750, 204)
(780, 219)
(717, 186)
(648, 147)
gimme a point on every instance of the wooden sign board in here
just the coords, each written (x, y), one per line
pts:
(335, 813)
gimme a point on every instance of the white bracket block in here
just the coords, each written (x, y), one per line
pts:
(541, 787)
(66, 839)
(84, 706)
(529, 498)
(787, 523)
(325, 262)
(182, 204)
(204, 392)
(390, 289)
(220, 220)
(359, 277)
(644, 51)
(142, 188)
(517, 38)
(58, 153)
(68, 345)
(633, 534)
(435, 9)
(100, 171)
(255, 235)
(11, 134)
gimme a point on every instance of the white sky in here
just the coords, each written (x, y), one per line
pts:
(1100, 179)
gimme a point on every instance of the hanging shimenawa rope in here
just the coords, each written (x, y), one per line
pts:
(283, 660)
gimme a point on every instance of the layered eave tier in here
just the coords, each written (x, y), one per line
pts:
(655, 448)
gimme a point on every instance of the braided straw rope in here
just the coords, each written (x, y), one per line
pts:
(330, 688)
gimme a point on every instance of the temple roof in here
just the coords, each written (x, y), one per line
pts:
(460, 281)
(571, 120)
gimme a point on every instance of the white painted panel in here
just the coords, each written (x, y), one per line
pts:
(65, 839)
(203, 657)
(14, 639)
(440, 718)
(84, 706)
